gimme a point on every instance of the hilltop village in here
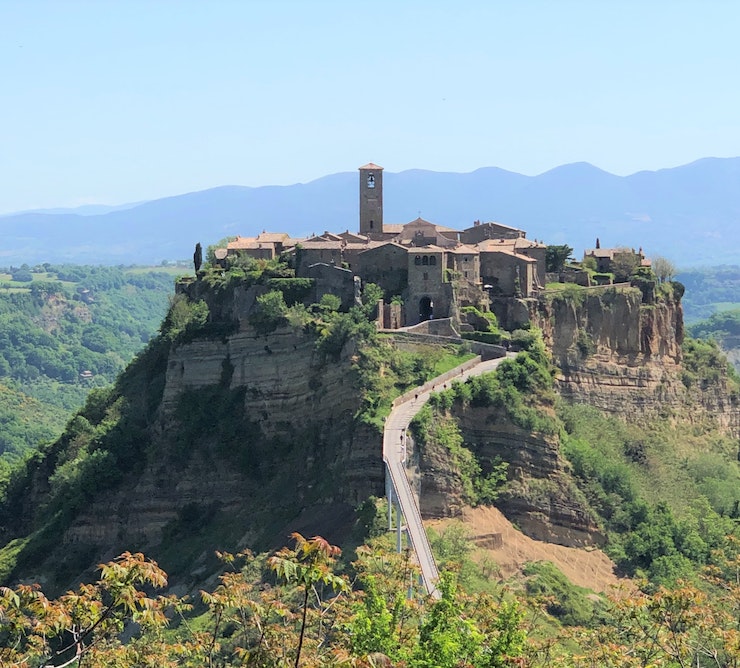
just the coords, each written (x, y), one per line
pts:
(434, 269)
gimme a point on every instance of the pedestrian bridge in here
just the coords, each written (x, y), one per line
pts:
(398, 489)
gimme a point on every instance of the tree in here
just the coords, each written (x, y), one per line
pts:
(270, 312)
(211, 250)
(40, 631)
(624, 264)
(307, 565)
(198, 257)
(371, 295)
(556, 257)
(664, 269)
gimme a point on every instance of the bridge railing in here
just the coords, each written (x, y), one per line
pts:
(415, 528)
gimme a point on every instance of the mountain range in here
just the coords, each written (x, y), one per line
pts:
(689, 214)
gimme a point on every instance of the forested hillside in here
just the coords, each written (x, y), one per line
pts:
(709, 290)
(63, 330)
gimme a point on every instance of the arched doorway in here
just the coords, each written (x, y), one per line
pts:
(426, 309)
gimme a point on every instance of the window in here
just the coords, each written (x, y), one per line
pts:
(426, 276)
(371, 224)
(432, 259)
(417, 259)
(370, 180)
(425, 260)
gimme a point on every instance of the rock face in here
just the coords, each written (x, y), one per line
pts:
(624, 358)
(539, 495)
(279, 436)
(612, 352)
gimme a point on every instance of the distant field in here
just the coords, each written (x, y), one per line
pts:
(8, 285)
(175, 271)
(725, 306)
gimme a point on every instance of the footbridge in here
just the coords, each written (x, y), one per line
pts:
(398, 488)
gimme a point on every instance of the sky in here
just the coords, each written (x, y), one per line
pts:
(115, 101)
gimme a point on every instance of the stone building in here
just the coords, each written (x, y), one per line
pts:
(371, 200)
(434, 269)
(608, 259)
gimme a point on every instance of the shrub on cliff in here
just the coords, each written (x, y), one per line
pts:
(270, 313)
(184, 316)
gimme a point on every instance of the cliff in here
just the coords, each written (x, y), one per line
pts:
(539, 495)
(624, 357)
(228, 438)
(247, 436)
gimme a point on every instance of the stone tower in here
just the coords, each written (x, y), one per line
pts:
(371, 200)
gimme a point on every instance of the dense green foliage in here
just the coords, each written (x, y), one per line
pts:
(717, 326)
(569, 604)
(68, 320)
(704, 364)
(384, 372)
(521, 388)
(291, 608)
(556, 257)
(666, 498)
(101, 445)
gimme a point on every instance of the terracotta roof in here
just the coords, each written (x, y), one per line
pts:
(321, 244)
(273, 237)
(496, 244)
(330, 236)
(364, 245)
(241, 242)
(373, 246)
(371, 165)
(393, 228)
(418, 220)
(508, 227)
(522, 242)
(353, 236)
(508, 251)
(464, 249)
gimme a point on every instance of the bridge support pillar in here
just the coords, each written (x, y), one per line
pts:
(399, 527)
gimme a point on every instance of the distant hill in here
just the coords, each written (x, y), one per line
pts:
(689, 213)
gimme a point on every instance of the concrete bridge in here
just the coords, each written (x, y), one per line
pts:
(398, 489)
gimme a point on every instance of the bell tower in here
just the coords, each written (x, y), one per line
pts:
(371, 200)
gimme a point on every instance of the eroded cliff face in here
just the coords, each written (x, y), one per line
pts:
(539, 495)
(612, 352)
(251, 431)
(624, 358)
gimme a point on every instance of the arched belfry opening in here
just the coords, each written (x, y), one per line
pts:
(426, 309)
(371, 200)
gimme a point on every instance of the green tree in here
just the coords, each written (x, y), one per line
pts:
(371, 295)
(307, 565)
(624, 264)
(556, 257)
(270, 313)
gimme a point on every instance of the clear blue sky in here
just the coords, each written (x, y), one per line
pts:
(112, 101)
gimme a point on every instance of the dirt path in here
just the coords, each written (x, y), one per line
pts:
(586, 568)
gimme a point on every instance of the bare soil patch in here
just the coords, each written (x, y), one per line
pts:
(584, 567)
